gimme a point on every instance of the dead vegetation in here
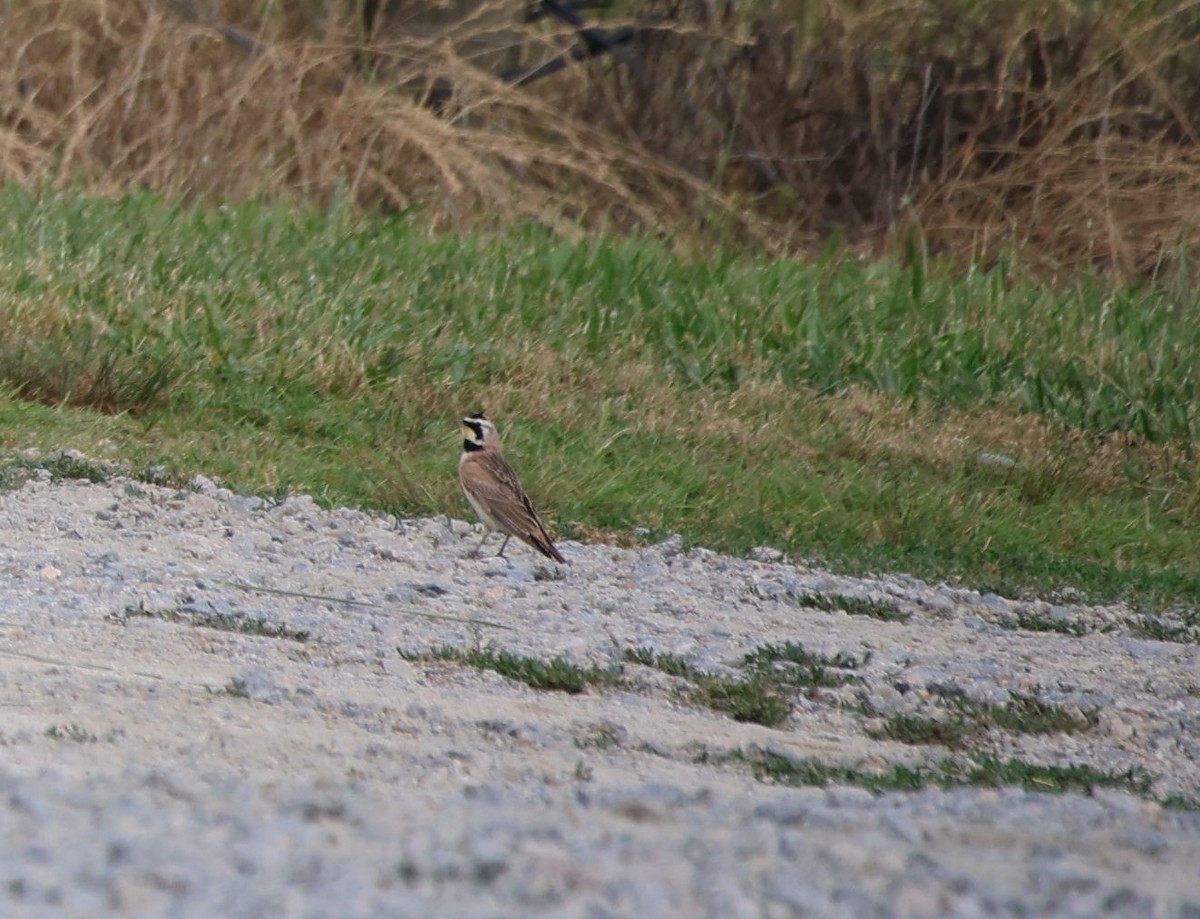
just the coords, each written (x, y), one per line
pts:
(1069, 132)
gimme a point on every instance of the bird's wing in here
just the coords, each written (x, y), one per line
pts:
(495, 483)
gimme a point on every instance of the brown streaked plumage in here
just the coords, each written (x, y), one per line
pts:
(492, 487)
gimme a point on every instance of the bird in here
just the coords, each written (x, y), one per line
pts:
(495, 491)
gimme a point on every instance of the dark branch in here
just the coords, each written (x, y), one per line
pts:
(538, 10)
(232, 35)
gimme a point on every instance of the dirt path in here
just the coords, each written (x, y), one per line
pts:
(153, 766)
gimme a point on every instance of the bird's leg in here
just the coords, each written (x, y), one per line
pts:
(479, 548)
(500, 554)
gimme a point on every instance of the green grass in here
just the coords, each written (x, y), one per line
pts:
(1025, 714)
(749, 698)
(221, 622)
(1180, 802)
(70, 732)
(968, 720)
(73, 733)
(600, 736)
(836, 410)
(59, 465)
(975, 770)
(771, 674)
(853, 606)
(1037, 622)
(792, 667)
(557, 675)
(1182, 626)
(920, 730)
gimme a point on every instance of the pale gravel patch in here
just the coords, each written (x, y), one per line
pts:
(203, 773)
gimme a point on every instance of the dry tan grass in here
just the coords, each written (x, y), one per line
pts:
(114, 94)
(1068, 132)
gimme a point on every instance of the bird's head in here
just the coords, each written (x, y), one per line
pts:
(479, 433)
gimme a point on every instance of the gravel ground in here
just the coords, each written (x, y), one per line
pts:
(150, 767)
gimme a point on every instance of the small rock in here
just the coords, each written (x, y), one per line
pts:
(848, 797)
(648, 571)
(994, 602)
(916, 679)
(975, 624)
(402, 594)
(943, 606)
(793, 809)
(429, 589)
(671, 546)
(1000, 460)
(256, 683)
(202, 484)
(765, 554)
(512, 571)
(440, 534)
(884, 699)
(246, 503)
(1115, 725)
(904, 828)
(1146, 649)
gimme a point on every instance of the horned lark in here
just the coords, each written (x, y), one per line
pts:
(492, 487)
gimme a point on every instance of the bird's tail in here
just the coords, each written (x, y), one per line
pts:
(541, 542)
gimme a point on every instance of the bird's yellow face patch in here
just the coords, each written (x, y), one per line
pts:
(476, 431)
(473, 434)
